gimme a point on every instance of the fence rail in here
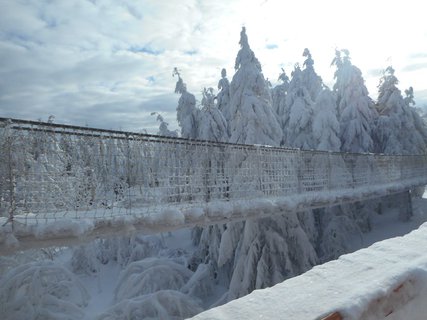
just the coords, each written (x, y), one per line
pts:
(51, 172)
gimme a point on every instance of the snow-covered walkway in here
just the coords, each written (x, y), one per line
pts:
(388, 280)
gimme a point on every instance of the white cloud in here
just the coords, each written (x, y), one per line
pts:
(110, 62)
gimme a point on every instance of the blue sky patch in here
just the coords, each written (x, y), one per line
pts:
(146, 49)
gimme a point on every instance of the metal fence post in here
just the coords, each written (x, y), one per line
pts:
(12, 179)
(329, 171)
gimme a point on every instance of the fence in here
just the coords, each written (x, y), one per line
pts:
(50, 171)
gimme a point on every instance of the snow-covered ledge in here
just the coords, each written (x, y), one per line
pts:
(385, 281)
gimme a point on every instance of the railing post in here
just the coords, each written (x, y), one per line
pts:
(128, 173)
(208, 173)
(329, 171)
(11, 178)
(299, 173)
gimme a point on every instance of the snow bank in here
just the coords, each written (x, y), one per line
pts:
(386, 280)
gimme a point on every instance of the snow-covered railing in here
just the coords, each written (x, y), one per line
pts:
(60, 181)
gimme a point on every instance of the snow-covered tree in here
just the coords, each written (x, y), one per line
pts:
(326, 128)
(391, 108)
(163, 127)
(298, 128)
(253, 119)
(211, 123)
(311, 80)
(399, 130)
(186, 111)
(278, 94)
(419, 136)
(223, 97)
(355, 107)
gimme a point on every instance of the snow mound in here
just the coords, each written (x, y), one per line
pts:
(41, 290)
(165, 304)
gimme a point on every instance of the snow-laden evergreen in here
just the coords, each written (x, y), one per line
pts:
(163, 127)
(253, 119)
(420, 136)
(312, 81)
(397, 131)
(223, 96)
(355, 107)
(326, 128)
(278, 95)
(298, 130)
(187, 113)
(211, 123)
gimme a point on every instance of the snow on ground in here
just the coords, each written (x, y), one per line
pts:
(386, 225)
(388, 279)
(100, 289)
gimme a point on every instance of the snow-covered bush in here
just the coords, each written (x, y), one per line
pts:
(151, 275)
(162, 305)
(202, 283)
(41, 290)
(338, 235)
(88, 258)
(85, 259)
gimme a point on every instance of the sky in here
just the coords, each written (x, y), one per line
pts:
(108, 63)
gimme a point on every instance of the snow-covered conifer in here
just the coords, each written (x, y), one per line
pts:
(278, 95)
(163, 127)
(399, 129)
(211, 123)
(298, 128)
(223, 97)
(311, 80)
(391, 107)
(354, 106)
(186, 110)
(326, 128)
(253, 119)
(419, 135)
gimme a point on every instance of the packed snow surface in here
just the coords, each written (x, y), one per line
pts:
(388, 279)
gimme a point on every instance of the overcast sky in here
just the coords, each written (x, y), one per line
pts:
(108, 63)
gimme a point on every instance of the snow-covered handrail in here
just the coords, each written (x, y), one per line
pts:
(59, 181)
